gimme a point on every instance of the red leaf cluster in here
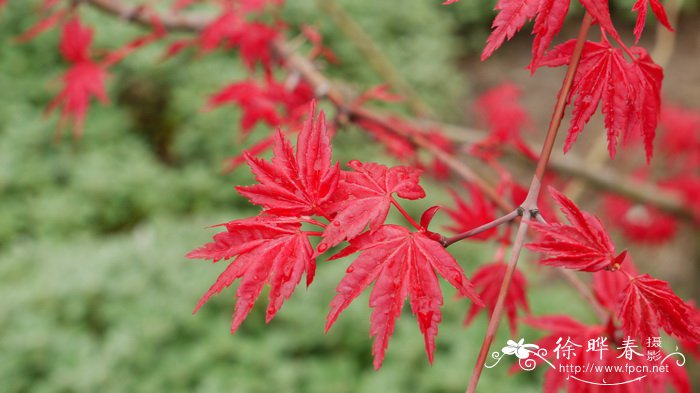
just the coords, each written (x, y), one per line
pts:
(273, 248)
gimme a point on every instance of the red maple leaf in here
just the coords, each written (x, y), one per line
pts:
(630, 93)
(75, 41)
(298, 185)
(600, 11)
(549, 21)
(583, 245)
(253, 41)
(364, 198)
(640, 6)
(647, 104)
(83, 80)
(487, 282)
(680, 138)
(504, 116)
(268, 250)
(255, 100)
(220, 30)
(639, 222)
(401, 264)
(512, 15)
(468, 216)
(649, 304)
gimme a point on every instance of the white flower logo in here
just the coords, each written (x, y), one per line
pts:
(519, 349)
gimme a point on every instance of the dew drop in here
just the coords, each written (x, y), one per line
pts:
(336, 223)
(350, 269)
(322, 247)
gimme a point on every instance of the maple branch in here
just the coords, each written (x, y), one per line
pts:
(643, 192)
(530, 202)
(446, 242)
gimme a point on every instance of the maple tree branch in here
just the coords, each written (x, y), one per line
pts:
(644, 192)
(446, 242)
(530, 202)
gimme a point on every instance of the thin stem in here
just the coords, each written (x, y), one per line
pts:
(483, 228)
(405, 214)
(537, 215)
(531, 201)
(313, 233)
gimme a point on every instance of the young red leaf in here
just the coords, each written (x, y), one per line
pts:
(267, 250)
(512, 15)
(365, 198)
(401, 264)
(640, 6)
(583, 245)
(649, 304)
(296, 185)
(487, 282)
(468, 216)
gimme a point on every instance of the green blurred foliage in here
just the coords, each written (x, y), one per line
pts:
(96, 294)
